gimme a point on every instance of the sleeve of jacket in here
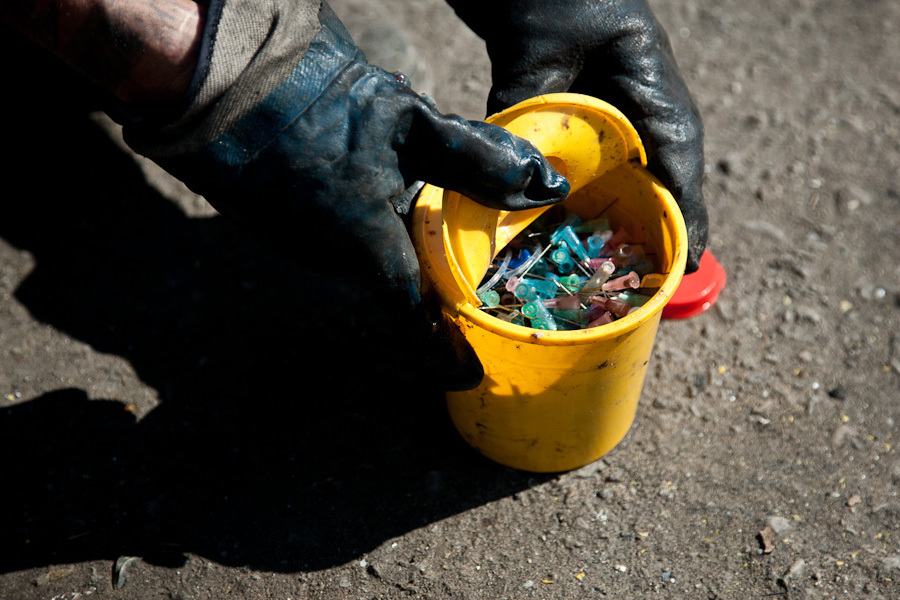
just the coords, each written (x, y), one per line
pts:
(248, 48)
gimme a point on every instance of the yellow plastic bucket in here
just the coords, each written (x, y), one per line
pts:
(553, 400)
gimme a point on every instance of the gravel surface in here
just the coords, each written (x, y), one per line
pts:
(185, 416)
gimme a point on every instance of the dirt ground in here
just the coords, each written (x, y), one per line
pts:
(184, 415)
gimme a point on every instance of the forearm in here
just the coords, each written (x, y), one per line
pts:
(143, 52)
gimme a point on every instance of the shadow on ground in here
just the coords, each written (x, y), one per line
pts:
(293, 433)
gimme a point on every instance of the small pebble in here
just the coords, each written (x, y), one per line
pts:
(765, 229)
(778, 524)
(119, 570)
(890, 563)
(841, 433)
(796, 570)
(808, 314)
(852, 197)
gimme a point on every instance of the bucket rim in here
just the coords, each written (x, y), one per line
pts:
(433, 248)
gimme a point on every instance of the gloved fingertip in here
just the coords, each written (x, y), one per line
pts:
(551, 185)
(545, 186)
(692, 264)
(440, 354)
(452, 363)
(697, 235)
(697, 221)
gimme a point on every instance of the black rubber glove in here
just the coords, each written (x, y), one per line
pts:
(317, 162)
(614, 50)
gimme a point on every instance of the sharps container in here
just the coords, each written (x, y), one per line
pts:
(553, 400)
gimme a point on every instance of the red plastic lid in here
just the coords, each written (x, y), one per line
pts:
(697, 291)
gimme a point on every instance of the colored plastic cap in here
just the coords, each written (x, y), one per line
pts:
(697, 291)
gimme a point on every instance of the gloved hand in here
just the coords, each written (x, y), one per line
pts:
(614, 50)
(316, 162)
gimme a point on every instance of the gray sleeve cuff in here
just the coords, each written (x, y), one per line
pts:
(248, 48)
